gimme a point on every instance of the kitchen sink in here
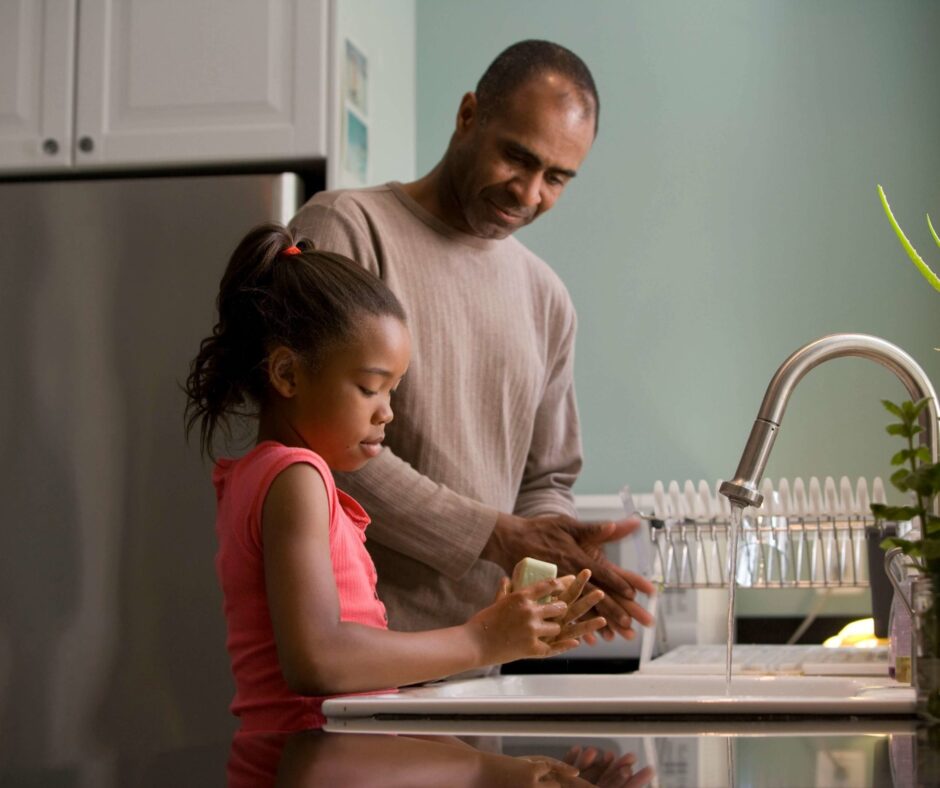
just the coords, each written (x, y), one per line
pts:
(634, 694)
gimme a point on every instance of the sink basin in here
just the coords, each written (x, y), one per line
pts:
(634, 694)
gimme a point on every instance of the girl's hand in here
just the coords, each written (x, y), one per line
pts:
(578, 603)
(517, 625)
(537, 771)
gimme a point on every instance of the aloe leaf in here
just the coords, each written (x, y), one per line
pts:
(925, 269)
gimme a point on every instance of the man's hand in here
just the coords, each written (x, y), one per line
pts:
(573, 546)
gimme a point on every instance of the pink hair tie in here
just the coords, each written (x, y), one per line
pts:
(291, 250)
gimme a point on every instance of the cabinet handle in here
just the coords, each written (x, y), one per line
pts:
(50, 146)
(86, 144)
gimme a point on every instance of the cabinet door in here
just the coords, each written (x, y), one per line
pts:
(37, 40)
(174, 82)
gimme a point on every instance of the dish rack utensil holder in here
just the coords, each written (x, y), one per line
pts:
(803, 536)
(816, 535)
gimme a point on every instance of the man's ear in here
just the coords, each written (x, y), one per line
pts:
(467, 113)
(282, 370)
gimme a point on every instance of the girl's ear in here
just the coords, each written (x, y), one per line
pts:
(282, 371)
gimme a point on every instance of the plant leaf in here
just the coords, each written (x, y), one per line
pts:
(904, 430)
(901, 479)
(895, 514)
(925, 481)
(931, 549)
(932, 231)
(895, 409)
(907, 547)
(912, 409)
(930, 473)
(924, 269)
(904, 455)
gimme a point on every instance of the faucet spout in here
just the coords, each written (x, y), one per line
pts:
(743, 490)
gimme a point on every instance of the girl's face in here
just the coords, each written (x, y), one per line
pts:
(340, 409)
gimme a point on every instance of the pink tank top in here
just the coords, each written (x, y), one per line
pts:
(263, 701)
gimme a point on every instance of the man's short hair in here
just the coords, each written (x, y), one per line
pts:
(523, 61)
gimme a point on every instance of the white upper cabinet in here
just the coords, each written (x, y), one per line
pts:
(161, 82)
(175, 81)
(37, 40)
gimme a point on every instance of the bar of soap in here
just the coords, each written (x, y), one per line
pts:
(531, 570)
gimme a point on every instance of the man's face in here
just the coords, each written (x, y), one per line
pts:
(510, 167)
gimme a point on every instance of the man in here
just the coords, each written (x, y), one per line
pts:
(485, 446)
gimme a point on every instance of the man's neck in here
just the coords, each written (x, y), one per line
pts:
(432, 194)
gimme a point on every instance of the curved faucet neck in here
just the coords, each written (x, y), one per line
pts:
(760, 442)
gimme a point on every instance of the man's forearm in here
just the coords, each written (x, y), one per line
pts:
(418, 517)
(550, 500)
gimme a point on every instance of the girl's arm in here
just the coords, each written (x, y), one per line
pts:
(319, 654)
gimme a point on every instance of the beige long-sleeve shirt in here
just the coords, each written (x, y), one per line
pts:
(485, 419)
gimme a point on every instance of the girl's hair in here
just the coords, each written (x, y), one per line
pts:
(277, 290)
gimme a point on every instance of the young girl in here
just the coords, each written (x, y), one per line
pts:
(314, 346)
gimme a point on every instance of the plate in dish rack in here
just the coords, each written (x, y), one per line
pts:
(633, 694)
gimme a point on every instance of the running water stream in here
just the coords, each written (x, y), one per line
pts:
(734, 526)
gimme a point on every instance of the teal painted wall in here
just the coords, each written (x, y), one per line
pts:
(727, 214)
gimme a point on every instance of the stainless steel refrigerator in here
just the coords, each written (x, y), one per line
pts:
(112, 640)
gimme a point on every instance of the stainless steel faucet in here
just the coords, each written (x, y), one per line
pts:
(744, 489)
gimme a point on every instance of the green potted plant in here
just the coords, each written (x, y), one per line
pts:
(918, 476)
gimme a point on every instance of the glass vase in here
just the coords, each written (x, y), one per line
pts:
(926, 607)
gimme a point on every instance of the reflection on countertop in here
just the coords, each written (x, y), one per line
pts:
(318, 758)
(615, 754)
(503, 753)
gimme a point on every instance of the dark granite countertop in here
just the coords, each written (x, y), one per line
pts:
(460, 753)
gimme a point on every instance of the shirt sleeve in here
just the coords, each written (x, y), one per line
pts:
(555, 454)
(418, 517)
(411, 513)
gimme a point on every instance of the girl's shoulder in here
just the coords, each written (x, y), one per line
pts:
(257, 469)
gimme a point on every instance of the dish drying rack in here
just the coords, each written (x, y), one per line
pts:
(803, 536)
